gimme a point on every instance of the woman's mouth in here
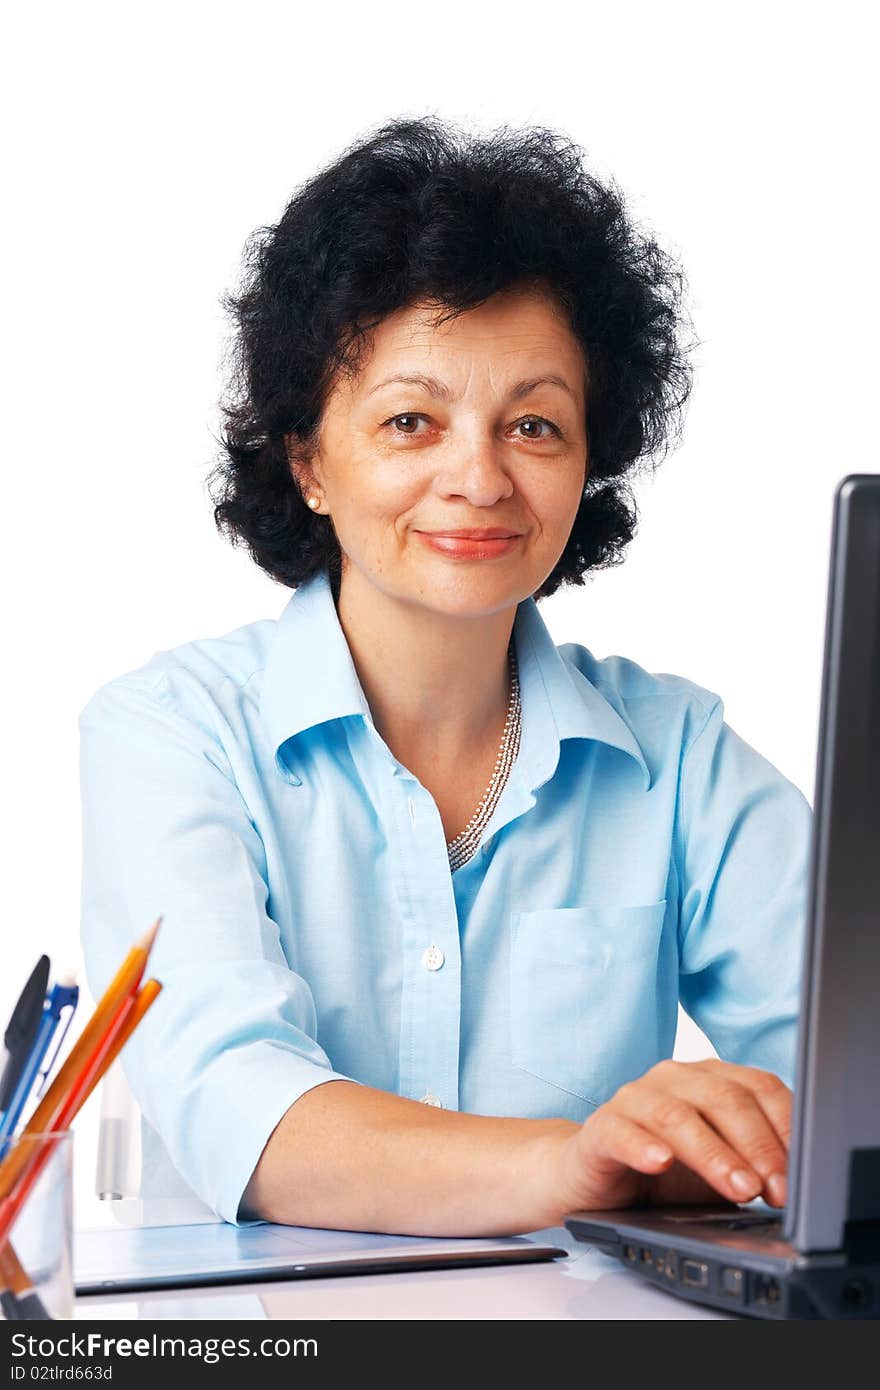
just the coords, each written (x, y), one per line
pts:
(471, 543)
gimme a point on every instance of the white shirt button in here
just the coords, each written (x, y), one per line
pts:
(429, 1099)
(433, 958)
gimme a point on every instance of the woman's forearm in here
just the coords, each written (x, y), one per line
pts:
(350, 1157)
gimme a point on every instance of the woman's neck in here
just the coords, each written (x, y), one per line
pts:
(437, 685)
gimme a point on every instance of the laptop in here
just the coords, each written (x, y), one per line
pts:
(820, 1258)
(136, 1259)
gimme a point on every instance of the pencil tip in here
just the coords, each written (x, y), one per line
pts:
(146, 941)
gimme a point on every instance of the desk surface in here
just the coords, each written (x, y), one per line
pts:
(586, 1285)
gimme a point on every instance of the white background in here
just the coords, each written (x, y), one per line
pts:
(146, 142)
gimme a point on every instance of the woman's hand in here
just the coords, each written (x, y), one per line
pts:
(685, 1132)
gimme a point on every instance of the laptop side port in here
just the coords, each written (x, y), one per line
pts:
(695, 1274)
(630, 1254)
(765, 1289)
(732, 1282)
(670, 1268)
(856, 1293)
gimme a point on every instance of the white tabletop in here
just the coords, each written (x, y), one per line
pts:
(585, 1285)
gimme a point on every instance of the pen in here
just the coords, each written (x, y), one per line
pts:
(127, 1014)
(115, 1015)
(20, 1034)
(119, 1011)
(113, 1137)
(63, 995)
(17, 1295)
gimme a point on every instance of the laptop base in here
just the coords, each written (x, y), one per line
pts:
(741, 1266)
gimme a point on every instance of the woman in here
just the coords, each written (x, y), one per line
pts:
(401, 841)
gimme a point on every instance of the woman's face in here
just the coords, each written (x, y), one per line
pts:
(477, 439)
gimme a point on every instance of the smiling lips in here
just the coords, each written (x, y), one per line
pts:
(471, 542)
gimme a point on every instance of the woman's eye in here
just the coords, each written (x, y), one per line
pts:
(407, 419)
(406, 423)
(537, 420)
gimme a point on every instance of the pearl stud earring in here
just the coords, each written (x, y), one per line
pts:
(314, 502)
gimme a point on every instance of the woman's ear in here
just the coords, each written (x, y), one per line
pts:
(303, 474)
(298, 464)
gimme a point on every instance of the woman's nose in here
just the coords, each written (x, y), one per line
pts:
(477, 472)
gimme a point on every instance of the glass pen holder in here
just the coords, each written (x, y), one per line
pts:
(36, 1254)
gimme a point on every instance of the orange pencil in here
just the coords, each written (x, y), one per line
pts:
(35, 1156)
(46, 1116)
(146, 996)
(19, 1298)
(121, 1026)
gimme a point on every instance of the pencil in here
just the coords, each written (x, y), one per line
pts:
(18, 1297)
(8, 1296)
(146, 996)
(35, 1156)
(46, 1116)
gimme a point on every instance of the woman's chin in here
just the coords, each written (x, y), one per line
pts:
(447, 588)
(470, 596)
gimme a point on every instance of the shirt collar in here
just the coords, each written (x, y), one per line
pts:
(558, 701)
(309, 676)
(558, 696)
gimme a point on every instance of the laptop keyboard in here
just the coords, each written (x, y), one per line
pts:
(772, 1225)
(747, 1220)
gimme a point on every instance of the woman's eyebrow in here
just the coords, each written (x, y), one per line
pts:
(437, 388)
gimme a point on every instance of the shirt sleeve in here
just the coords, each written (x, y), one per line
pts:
(745, 835)
(230, 1043)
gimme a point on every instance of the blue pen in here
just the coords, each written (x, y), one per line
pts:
(22, 1029)
(63, 995)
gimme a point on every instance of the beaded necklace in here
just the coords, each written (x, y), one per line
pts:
(462, 848)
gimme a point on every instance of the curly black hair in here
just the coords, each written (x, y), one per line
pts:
(419, 212)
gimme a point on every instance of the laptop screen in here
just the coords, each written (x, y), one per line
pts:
(835, 1152)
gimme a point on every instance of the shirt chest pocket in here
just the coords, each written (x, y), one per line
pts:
(583, 995)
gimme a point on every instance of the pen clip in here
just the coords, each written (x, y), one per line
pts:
(43, 1075)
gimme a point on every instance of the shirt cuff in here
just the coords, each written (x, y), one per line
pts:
(270, 1096)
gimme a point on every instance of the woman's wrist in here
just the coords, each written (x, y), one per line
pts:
(544, 1168)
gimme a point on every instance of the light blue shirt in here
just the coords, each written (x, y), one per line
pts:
(641, 853)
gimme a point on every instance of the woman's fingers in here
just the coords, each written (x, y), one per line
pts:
(620, 1141)
(700, 1147)
(713, 1124)
(682, 1128)
(774, 1101)
(611, 1161)
(753, 1110)
(771, 1093)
